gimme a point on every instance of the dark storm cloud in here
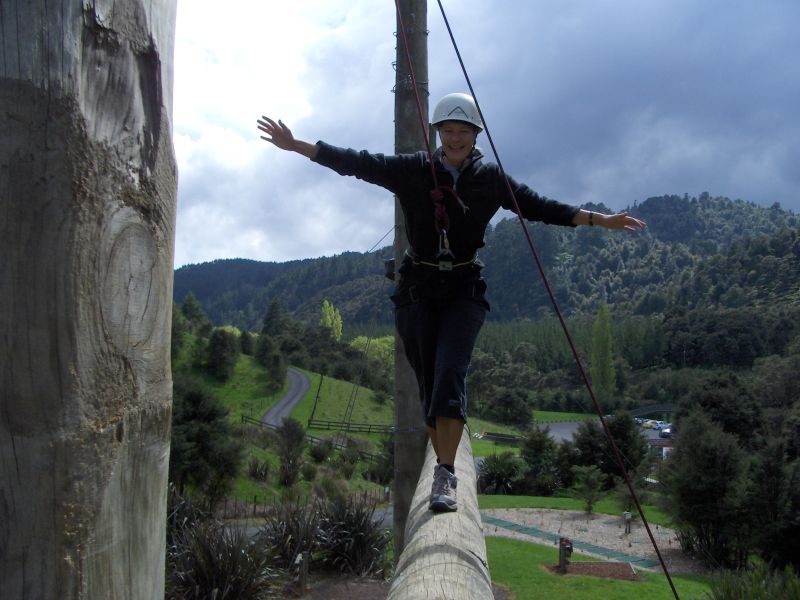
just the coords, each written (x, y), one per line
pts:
(616, 101)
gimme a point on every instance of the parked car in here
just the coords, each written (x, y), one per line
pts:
(666, 432)
(660, 425)
(649, 424)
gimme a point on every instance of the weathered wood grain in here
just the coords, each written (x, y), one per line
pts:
(445, 554)
(87, 211)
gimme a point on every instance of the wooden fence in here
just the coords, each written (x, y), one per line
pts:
(367, 456)
(345, 426)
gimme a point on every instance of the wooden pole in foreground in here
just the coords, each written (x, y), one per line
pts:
(410, 436)
(445, 554)
(87, 222)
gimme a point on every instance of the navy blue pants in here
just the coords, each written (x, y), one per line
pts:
(439, 333)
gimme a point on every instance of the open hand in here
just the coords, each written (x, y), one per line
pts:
(278, 134)
(623, 221)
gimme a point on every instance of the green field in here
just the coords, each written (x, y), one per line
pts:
(520, 568)
(333, 397)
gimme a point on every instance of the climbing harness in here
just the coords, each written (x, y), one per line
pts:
(441, 265)
(617, 454)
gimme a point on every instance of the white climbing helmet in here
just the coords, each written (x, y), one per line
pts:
(457, 107)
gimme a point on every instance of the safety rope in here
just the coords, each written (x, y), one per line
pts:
(440, 215)
(540, 267)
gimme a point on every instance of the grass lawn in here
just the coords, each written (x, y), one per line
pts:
(604, 506)
(334, 396)
(520, 567)
(246, 392)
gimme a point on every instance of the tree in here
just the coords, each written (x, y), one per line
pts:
(588, 485)
(223, 352)
(728, 402)
(246, 343)
(703, 480)
(88, 180)
(193, 311)
(276, 319)
(768, 499)
(791, 432)
(180, 326)
(602, 367)
(508, 406)
(593, 448)
(268, 355)
(205, 455)
(331, 320)
(538, 452)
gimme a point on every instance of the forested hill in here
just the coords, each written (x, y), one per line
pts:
(696, 252)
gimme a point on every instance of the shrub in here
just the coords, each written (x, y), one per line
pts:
(182, 514)
(289, 529)
(499, 474)
(346, 468)
(755, 584)
(320, 452)
(382, 470)
(308, 471)
(350, 540)
(210, 560)
(258, 469)
(329, 486)
(291, 441)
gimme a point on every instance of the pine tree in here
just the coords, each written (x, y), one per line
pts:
(276, 319)
(223, 352)
(193, 311)
(604, 377)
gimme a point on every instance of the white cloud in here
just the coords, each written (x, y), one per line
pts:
(601, 102)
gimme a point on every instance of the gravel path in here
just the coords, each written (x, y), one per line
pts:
(603, 532)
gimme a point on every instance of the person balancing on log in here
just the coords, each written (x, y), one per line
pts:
(448, 199)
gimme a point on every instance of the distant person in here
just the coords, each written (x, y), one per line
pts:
(626, 518)
(439, 298)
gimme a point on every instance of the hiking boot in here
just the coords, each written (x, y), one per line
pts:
(443, 491)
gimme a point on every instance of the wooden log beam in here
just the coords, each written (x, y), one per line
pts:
(445, 554)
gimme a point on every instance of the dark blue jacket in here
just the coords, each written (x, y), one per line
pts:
(480, 187)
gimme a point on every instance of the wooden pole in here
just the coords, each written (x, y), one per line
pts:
(410, 436)
(445, 554)
(87, 221)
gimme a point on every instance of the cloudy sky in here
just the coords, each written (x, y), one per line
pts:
(609, 101)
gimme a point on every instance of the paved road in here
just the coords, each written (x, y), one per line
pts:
(564, 431)
(298, 386)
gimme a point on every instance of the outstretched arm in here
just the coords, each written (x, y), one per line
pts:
(281, 136)
(616, 221)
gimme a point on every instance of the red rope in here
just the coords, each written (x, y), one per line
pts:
(441, 218)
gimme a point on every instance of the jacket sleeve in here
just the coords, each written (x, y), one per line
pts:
(391, 172)
(535, 207)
